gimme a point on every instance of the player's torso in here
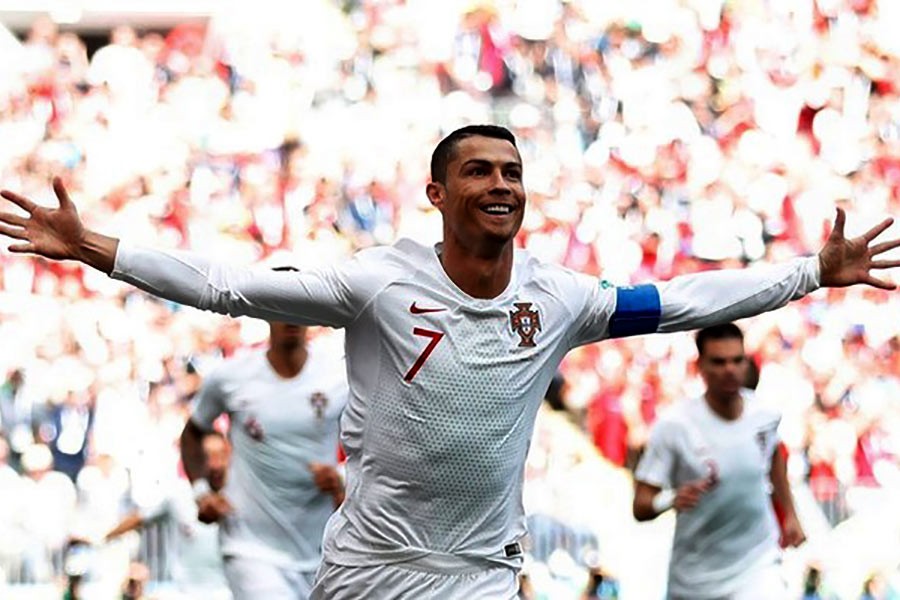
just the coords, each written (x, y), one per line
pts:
(447, 387)
(278, 424)
(736, 453)
(732, 528)
(269, 409)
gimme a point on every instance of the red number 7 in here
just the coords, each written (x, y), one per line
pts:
(435, 337)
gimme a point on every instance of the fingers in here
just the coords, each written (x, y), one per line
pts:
(877, 230)
(792, 538)
(884, 264)
(23, 248)
(20, 201)
(869, 280)
(839, 220)
(12, 219)
(17, 233)
(878, 248)
(61, 194)
(690, 494)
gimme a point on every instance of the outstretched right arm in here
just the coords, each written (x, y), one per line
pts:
(312, 298)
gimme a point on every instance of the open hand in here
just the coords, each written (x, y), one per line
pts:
(844, 262)
(55, 233)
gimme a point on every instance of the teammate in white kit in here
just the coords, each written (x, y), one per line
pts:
(715, 460)
(283, 405)
(197, 564)
(449, 351)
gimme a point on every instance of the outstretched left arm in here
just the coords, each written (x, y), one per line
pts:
(702, 299)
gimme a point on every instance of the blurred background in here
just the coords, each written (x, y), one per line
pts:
(659, 137)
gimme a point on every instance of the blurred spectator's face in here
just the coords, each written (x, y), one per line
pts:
(723, 366)
(484, 198)
(43, 30)
(123, 36)
(218, 457)
(286, 336)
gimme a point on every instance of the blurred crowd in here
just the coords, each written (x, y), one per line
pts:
(659, 138)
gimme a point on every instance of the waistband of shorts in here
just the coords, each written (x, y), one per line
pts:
(450, 564)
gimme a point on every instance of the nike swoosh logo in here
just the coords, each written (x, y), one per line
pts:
(421, 311)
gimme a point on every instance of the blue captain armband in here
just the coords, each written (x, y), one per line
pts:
(637, 311)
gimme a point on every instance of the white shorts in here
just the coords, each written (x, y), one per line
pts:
(765, 582)
(396, 582)
(251, 579)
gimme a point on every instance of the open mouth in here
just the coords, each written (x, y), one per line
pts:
(497, 209)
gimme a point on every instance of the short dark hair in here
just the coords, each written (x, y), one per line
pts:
(725, 331)
(445, 151)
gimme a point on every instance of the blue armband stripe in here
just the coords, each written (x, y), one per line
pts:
(637, 311)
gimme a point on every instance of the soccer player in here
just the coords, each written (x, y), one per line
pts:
(450, 349)
(197, 566)
(283, 404)
(714, 459)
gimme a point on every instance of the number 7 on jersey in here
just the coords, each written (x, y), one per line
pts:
(434, 337)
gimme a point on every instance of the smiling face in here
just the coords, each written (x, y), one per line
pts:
(483, 198)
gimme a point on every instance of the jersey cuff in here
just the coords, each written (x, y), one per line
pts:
(638, 310)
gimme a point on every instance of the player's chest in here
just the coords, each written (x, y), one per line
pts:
(285, 409)
(420, 328)
(728, 453)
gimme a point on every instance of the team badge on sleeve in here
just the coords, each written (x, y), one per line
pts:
(525, 322)
(319, 401)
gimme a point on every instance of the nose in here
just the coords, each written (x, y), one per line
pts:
(499, 184)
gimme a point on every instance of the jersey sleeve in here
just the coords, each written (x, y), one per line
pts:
(210, 401)
(704, 299)
(657, 465)
(331, 296)
(691, 301)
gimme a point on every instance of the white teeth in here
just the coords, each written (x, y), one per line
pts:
(499, 209)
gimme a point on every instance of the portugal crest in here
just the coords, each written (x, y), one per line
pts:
(319, 401)
(525, 322)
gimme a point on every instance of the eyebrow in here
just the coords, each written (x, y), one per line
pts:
(484, 161)
(721, 359)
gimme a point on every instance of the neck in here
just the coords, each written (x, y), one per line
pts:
(728, 406)
(480, 272)
(287, 362)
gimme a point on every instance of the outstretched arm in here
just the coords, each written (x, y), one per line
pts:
(694, 301)
(311, 298)
(702, 299)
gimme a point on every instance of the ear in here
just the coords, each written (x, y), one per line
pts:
(436, 193)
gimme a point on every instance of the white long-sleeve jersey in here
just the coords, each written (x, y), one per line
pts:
(444, 387)
(721, 544)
